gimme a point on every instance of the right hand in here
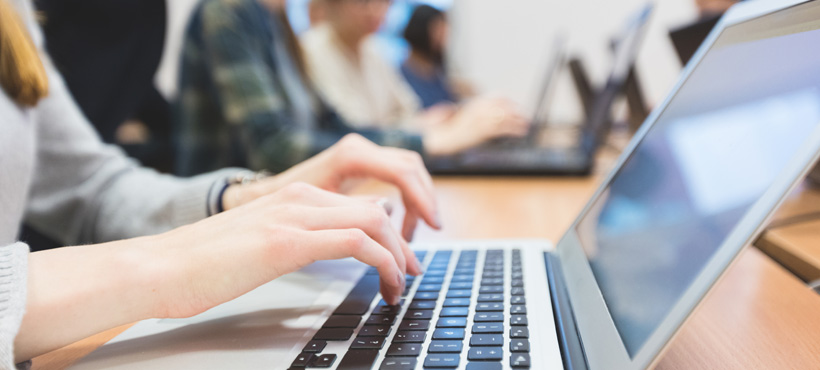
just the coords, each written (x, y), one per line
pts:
(476, 122)
(224, 256)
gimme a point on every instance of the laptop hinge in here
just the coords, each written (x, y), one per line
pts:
(572, 350)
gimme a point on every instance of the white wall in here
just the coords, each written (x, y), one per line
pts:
(503, 46)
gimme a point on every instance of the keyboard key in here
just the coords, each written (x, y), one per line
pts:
(387, 310)
(519, 345)
(489, 307)
(419, 314)
(452, 322)
(517, 282)
(491, 298)
(488, 328)
(367, 343)
(485, 354)
(454, 312)
(404, 350)
(358, 300)
(488, 317)
(414, 325)
(492, 281)
(410, 337)
(358, 359)
(380, 320)
(462, 278)
(459, 293)
(518, 320)
(519, 332)
(422, 305)
(398, 363)
(333, 334)
(518, 299)
(302, 360)
(339, 321)
(435, 273)
(463, 271)
(478, 340)
(448, 334)
(490, 289)
(520, 360)
(493, 274)
(426, 296)
(433, 280)
(518, 309)
(315, 346)
(517, 291)
(456, 302)
(322, 361)
(445, 346)
(441, 361)
(484, 366)
(429, 288)
(374, 331)
(462, 285)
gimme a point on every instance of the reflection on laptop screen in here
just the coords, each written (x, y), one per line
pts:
(716, 148)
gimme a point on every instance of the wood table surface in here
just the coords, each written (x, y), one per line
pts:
(793, 238)
(758, 316)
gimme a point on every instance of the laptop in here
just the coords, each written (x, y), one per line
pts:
(530, 155)
(694, 187)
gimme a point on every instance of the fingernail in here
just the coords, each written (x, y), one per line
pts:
(402, 282)
(420, 268)
(437, 220)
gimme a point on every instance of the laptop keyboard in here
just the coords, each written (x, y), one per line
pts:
(455, 308)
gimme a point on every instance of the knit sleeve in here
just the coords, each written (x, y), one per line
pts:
(13, 273)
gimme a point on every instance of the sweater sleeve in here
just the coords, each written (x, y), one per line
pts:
(13, 273)
(85, 191)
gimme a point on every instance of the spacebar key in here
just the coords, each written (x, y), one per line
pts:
(358, 359)
(359, 299)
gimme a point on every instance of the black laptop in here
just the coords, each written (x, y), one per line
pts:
(527, 156)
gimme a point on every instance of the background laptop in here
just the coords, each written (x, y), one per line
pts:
(529, 156)
(694, 187)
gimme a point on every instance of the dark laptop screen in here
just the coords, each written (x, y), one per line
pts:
(717, 147)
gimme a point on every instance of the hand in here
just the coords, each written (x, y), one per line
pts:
(353, 158)
(190, 269)
(478, 121)
(231, 253)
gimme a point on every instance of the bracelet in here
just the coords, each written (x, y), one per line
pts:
(241, 179)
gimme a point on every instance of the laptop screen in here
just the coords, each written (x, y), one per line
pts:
(719, 144)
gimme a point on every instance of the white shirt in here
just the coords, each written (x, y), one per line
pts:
(367, 93)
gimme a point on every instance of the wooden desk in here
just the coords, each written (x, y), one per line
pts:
(796, 245)
(758, 315)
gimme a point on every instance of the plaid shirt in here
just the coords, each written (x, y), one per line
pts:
(233, 109)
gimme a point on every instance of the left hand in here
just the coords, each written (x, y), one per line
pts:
(351, 159)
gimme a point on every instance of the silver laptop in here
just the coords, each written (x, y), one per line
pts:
(703, 174)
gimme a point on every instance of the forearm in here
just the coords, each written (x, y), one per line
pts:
(76, 292)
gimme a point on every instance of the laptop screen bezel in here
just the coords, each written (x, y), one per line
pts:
(602, 343)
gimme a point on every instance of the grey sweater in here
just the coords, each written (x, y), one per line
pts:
(57, 175)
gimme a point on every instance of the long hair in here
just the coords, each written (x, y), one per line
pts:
(417, 31)
(22, 75)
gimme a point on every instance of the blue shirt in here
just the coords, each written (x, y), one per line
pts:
(431, 91)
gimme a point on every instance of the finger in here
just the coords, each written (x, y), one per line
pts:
(338, 244)
(409, 225)
(413, 264)
(415, 194)
(367, 217)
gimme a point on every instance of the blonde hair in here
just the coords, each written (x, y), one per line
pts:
(22, 74)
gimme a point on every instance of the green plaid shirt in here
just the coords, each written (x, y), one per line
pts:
(233, 108)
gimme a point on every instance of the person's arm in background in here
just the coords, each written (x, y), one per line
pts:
(252, 100)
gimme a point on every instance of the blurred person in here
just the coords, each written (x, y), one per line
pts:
(172, 247)
(712, 8)
(316, 12)
(246, 98)
(109, 53)
(426, 33)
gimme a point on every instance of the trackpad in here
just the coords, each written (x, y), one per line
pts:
(260, 327)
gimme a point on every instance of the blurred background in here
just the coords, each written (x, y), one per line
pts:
(513, 36)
